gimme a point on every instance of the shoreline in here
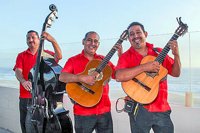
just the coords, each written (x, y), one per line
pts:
(176, 98)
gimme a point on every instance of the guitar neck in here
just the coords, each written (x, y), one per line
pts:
(108, 57)
(165, 50)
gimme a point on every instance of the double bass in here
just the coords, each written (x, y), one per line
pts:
(46, 113)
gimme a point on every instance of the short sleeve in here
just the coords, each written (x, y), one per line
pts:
(19, 62)
(68, 67)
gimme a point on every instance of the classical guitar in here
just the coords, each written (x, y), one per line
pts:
(144, 87)
(87, 95)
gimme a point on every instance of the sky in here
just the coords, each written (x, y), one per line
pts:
(109, 18)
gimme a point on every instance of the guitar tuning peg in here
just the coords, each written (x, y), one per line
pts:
(179, 21)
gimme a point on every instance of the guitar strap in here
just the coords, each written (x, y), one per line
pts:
(135, 108)
(130, 106)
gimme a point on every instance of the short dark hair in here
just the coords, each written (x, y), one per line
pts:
(90, 32)
(34, 32)
(136, 23)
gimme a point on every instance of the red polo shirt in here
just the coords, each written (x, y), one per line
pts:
(25, 61)
(132, 58)
(76, 65)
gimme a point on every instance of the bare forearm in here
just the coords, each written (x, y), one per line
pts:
(19, 75)
(128, 73)
(25, 83)
(176, 68)
(68, 77)
(58, 52)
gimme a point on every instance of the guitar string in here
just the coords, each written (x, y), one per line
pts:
(160, 59)
(166, 49)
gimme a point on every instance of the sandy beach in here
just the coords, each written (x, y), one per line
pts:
(185, 119)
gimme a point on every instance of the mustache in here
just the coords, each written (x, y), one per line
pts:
(133, 40)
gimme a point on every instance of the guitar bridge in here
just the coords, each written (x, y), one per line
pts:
(143, 85)
(85, 88)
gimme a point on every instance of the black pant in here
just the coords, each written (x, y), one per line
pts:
(100, 123)
(160, 122)
(23, 103)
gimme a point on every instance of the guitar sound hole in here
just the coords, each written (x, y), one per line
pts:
(151, 74)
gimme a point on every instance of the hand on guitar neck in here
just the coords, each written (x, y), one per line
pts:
(174, 47)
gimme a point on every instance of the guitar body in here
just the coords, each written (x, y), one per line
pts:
(145, 86)
(92, 97)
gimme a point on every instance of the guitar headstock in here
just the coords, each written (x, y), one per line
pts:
(182, 29)
(124, 35)
(52, 16)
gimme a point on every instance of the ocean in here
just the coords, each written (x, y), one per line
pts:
(188, 81)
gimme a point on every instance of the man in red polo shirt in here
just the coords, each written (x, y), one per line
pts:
(155, 115)
(24, 63)
(98, 117)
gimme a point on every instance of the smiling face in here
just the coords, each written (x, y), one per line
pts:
(91, 43)
(137, 37)
(32, 41)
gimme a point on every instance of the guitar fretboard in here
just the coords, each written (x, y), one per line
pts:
(166, 49)
(108, 57)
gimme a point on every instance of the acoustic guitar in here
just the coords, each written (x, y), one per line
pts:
(89, 95)
(144, 87)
